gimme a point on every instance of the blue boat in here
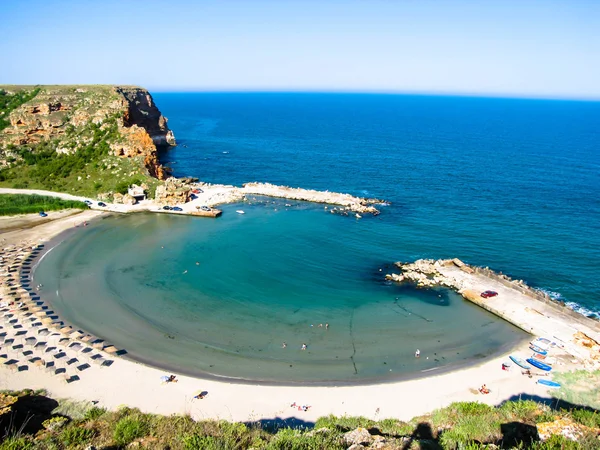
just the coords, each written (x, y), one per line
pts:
(540, 365)
(549, 383)
(519, 362)
(536, 349)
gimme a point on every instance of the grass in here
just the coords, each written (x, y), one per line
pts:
(129, 429)
(12, 204)
(579, 388)
(464, 425)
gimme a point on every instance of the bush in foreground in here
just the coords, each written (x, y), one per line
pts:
(462, 425)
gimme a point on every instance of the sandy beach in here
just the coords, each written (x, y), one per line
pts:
(125, 382)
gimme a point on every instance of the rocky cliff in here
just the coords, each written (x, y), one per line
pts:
(98, 121)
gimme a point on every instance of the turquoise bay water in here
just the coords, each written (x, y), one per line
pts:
(510, 184)
(222, 296)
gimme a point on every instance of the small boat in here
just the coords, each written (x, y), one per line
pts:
(536, 349)
(239, 211)
(519, 362)
(543, 343)
(540, 365)
(358, 216)
(549, 383)
(545, 359)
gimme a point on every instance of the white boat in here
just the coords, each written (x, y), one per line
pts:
(543, 343)
(239, 211)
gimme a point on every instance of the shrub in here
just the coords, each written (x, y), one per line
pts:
(196, 442)
(17, 443)
(128, 429)
(74, 436)
(344, 422)
(586, 417)
(94, 413)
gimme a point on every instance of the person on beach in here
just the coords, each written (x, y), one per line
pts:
(172, 379)
(417, 353)
(484, 389)
(303, 346)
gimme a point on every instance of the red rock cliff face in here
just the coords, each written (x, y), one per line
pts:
(142, 111)
(143, 130)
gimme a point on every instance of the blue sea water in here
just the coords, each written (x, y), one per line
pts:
(509, 184)
(512, 184)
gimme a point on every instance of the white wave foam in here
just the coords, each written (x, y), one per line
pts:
(583, 310)
(572, 305)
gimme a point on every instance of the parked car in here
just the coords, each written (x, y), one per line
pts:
(87, 202)
(205, 208)
(488, 294)
(43, 214)
(102, 204)
(177, 208)
(167, 208)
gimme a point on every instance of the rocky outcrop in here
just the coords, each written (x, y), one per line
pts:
(62, 115)
(346, 201)
(174, 191)
(358, 437)
(142, 112)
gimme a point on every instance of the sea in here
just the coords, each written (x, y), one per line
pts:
(511, 184)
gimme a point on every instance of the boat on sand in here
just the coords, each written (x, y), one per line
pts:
(520, 362)
(540, 365)
(548, 383)
(539, 350)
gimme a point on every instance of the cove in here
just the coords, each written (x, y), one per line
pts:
(219, 298)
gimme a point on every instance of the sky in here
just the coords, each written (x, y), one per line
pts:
(521, 48)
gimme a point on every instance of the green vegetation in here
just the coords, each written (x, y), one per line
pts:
(65, 140)
(10, 102)
(579, 388)
(11, 204)
(464, 425)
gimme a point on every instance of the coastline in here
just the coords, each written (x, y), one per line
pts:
(58, 239)
(129, 382)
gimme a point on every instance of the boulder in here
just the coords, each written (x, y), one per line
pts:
(395, 277)
(173, 192)
(359, 436)
(117, 198)
(356, 447)
(129, 200)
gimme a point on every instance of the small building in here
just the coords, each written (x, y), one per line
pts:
(137, 192)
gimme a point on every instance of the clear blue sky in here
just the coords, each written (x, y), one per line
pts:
(525, 48)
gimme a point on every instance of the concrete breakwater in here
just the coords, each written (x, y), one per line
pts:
(347, 201)
(527, 308)
(216, 194)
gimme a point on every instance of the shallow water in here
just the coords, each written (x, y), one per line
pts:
(221, 296)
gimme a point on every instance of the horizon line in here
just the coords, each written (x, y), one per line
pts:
(514, 96)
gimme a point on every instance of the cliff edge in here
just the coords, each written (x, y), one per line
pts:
(83, 139)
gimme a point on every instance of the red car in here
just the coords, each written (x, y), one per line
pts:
(488, 294)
